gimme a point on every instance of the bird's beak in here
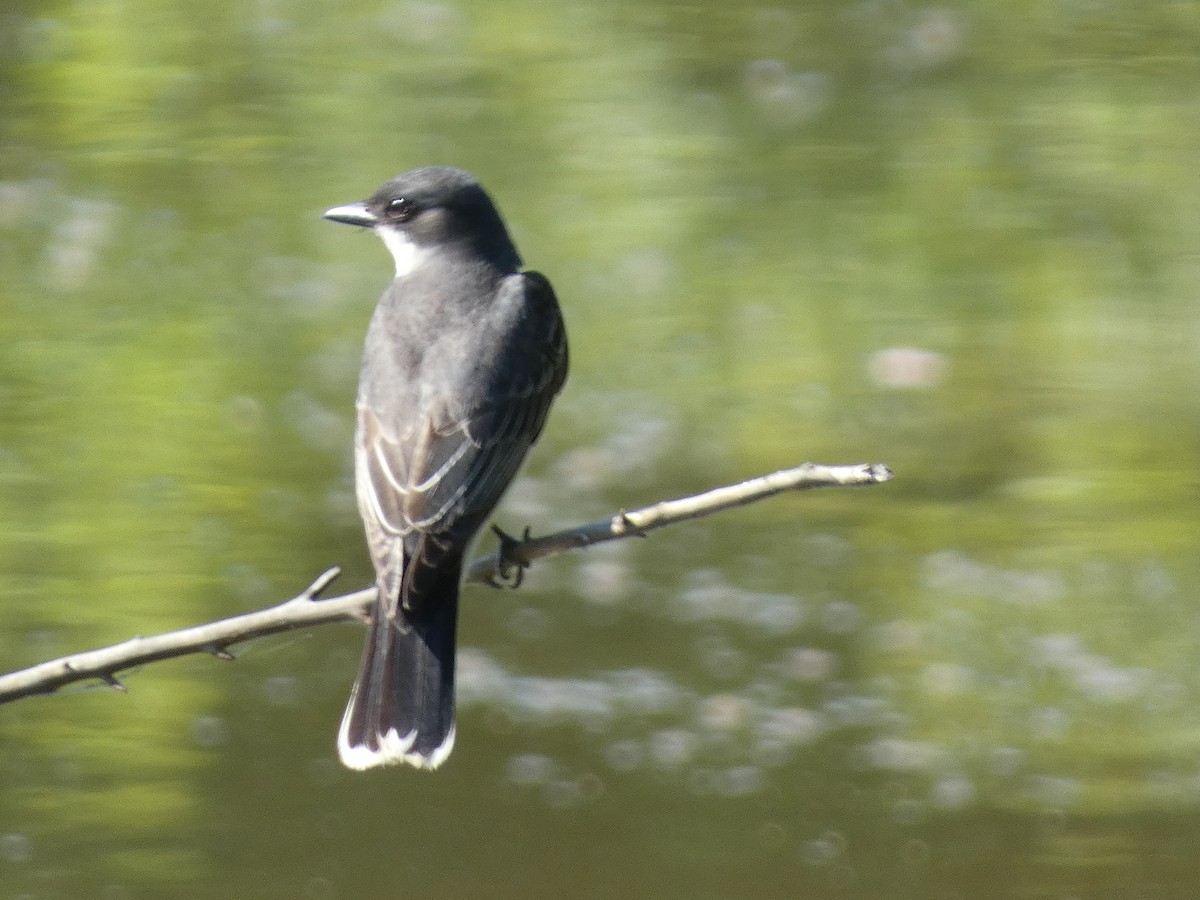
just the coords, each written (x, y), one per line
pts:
(352, 214)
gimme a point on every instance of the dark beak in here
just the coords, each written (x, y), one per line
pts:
(352, 214)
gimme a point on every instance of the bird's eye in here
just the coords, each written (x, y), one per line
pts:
(400, 209)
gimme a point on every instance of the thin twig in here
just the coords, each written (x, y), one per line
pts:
(216, 638)
(490, 569)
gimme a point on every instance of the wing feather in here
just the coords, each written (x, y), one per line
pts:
(431, 482)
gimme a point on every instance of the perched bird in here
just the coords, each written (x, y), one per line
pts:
(463, 357)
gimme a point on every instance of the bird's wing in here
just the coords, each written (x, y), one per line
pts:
(428, 485)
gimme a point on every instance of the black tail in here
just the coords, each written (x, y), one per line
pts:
(401, 709)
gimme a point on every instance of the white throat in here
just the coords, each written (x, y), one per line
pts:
(408, 256)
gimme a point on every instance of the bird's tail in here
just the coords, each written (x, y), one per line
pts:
(401, 709)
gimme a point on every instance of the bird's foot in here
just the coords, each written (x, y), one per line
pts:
(510, 572)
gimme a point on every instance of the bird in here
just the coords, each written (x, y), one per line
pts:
(464, 354)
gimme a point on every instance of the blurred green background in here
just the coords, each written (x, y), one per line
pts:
(962, 239)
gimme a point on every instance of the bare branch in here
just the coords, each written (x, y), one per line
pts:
(104, 664)
(304, 610)
(492, 569)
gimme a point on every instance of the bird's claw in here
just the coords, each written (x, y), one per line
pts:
(509, 572)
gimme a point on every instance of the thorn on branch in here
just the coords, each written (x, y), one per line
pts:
(111, 680)
(220, 652)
